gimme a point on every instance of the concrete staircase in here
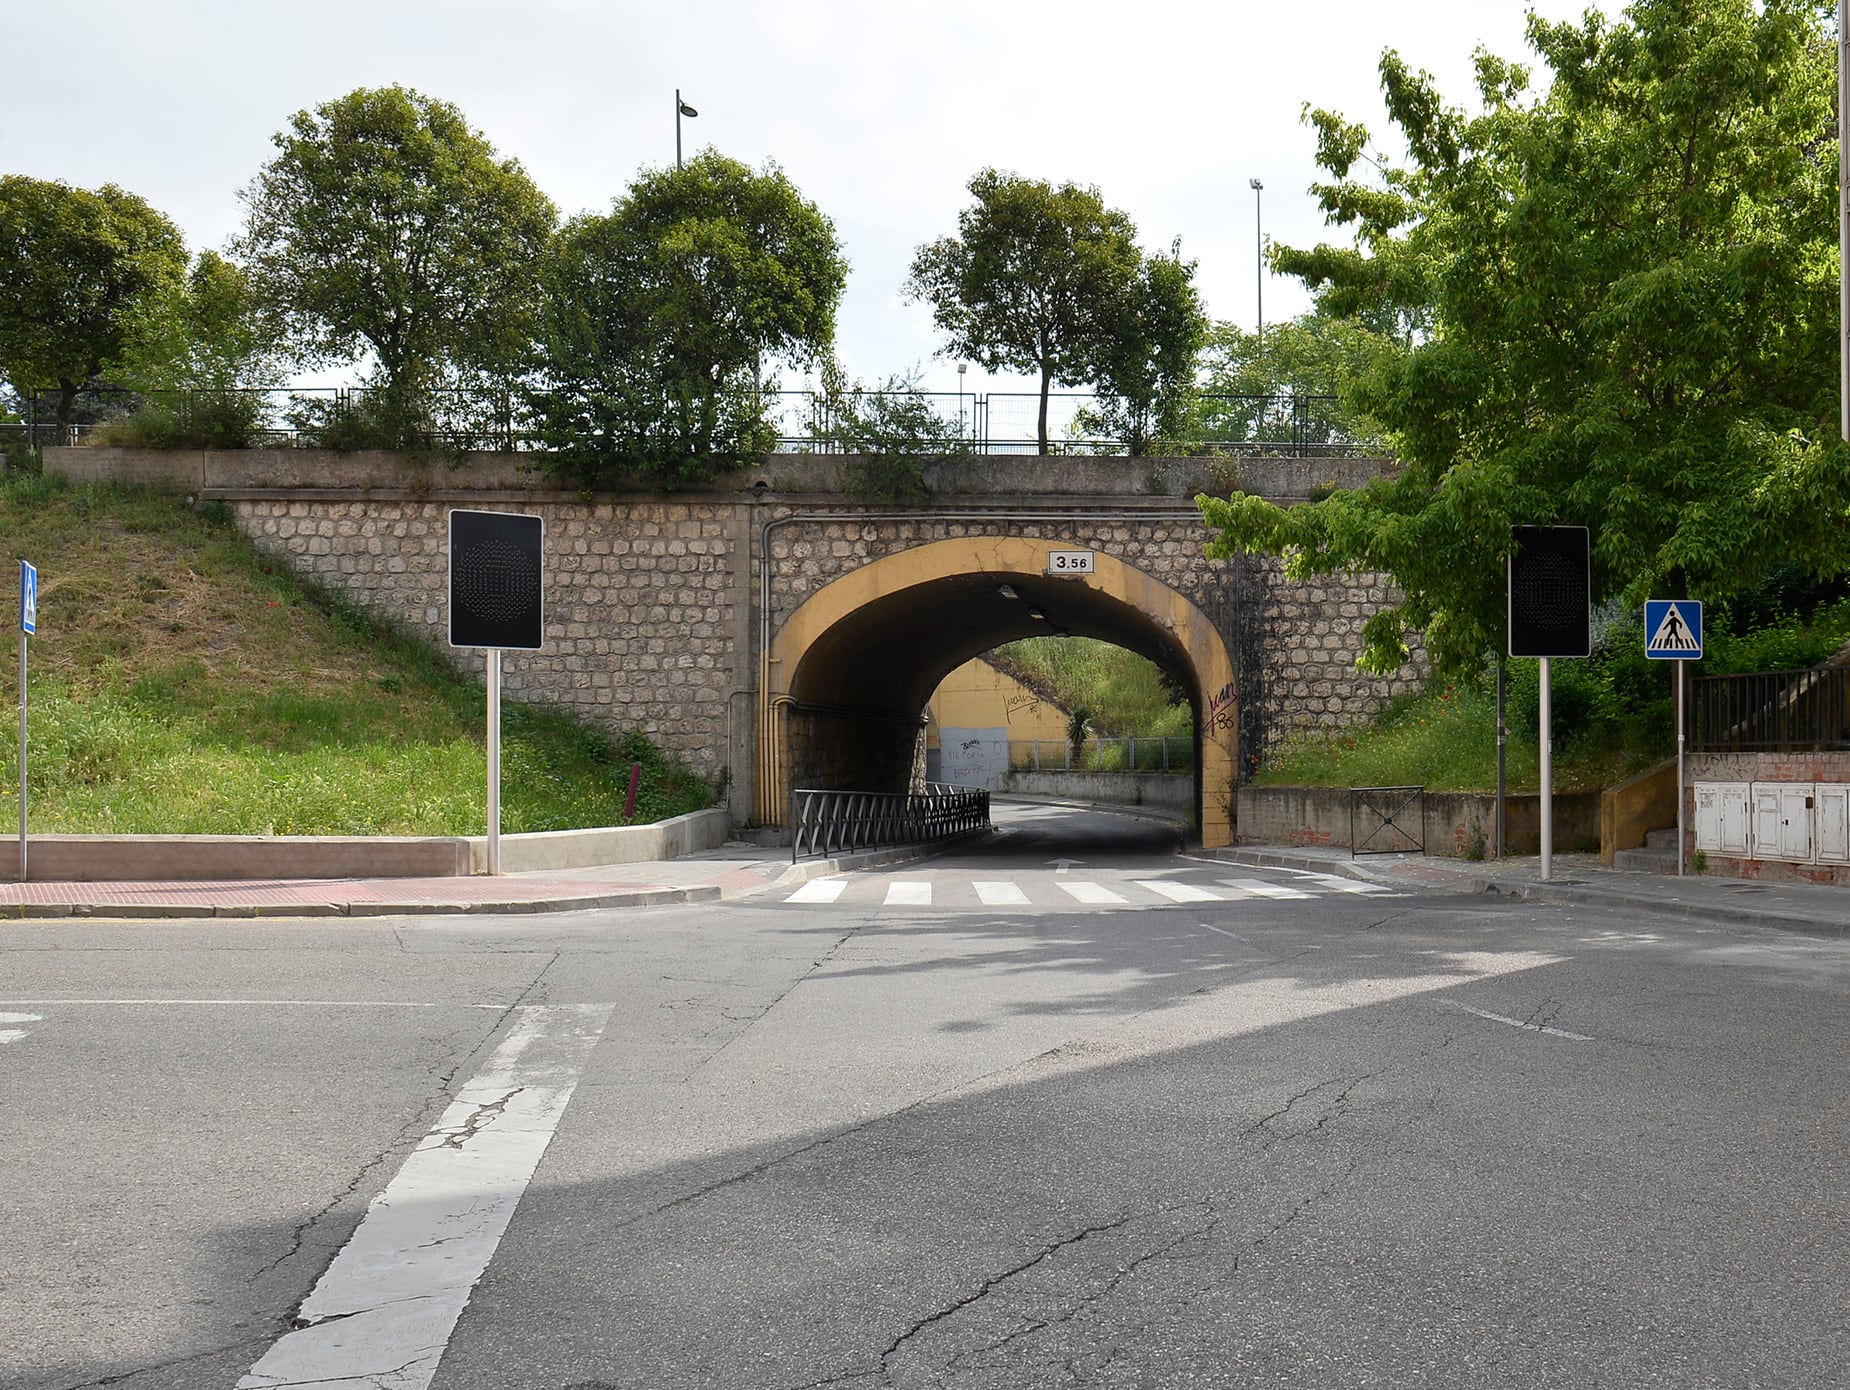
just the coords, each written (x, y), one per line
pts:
(1659, 855)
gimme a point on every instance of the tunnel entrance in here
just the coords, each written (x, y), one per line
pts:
(847, 677)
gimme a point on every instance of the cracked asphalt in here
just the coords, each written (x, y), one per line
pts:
(1441, 1139)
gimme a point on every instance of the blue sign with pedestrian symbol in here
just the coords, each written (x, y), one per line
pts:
(28, 599)
(1673, 629)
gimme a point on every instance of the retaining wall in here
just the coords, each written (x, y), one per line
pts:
(1456, 823)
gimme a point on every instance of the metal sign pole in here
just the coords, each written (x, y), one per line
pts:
(23, 639)
(1548, 783)
(494, 760)
(1681, 667)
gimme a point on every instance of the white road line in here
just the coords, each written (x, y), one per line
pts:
(1518, 1023)
(11, 1035)
(904, 893)
(819, 890)
(1335, 884)
(1000, 895)
(383, 1312)
(1178, 892)
(1259, 888)
(264, 1003)
(1098, 893)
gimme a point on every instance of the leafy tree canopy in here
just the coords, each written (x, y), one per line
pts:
(386, 226)
(1146, 356)
(73, 266)
(1253, 385)
(1032, 281)
(661, 316)
(1620, 304)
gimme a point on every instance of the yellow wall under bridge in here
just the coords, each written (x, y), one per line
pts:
(873, 645)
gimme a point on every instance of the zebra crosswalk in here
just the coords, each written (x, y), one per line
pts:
(1051, 891)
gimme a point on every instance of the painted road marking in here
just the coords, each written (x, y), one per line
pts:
(905, 893)
(1178, 892)
(1259, 888)
(1347, 885)
(819, 890)
(10, 1035)
(1092, 893)
(383, 1312)
(266, 1003)
(1518, 1023)
(1000, 895)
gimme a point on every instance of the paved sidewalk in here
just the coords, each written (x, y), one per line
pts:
(732, 871)
(1815, 909)
(729, 872)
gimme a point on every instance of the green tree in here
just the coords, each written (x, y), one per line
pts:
(1621, 300)
(889, 434)
(203, 355)
(1294, 381)
(662, 315)
(1146, 357)
(386, 227)
(73, 266)
(1032, 282)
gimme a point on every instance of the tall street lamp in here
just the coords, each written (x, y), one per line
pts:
(681, 109)
(1259, 254)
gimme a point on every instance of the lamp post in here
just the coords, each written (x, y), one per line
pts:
(962, 367)
(1259, 254)
(681, 109)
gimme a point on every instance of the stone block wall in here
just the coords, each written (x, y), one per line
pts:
(647, 612)
(1294, 645)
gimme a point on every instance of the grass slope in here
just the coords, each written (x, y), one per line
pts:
(182, 683)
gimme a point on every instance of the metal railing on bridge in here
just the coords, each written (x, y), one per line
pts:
(833, 822)
(998, 422)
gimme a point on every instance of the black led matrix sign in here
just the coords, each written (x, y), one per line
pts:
(1550, 591)
(496, 585)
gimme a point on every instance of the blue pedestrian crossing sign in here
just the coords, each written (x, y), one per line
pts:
(28, 599)
(1673, 629)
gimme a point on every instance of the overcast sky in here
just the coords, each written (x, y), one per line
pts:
(880, 113)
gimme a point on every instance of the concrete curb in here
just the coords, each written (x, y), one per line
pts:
(1580, 894)
(1559, 892)
(1284, 859)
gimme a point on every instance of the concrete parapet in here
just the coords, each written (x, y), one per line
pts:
(617, 844)
(102, 858)
(1460, 824)
(1631, 810)
(1166, 791)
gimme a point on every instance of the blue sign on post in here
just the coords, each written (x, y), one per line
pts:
(28, 599)
(1673, 629)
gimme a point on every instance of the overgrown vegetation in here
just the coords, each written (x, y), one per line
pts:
(182, 683)
(1612, 715)
(1122, 693)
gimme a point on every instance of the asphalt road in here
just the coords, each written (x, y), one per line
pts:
(1067, 1110)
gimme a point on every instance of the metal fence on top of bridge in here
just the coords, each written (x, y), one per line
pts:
(995, 422)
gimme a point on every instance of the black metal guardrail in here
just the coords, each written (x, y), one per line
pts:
(1771, 711)
(832, 822)
(1388, 809)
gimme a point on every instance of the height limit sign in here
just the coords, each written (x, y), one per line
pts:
(496, 585)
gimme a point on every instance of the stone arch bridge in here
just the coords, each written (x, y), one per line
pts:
(773, 632)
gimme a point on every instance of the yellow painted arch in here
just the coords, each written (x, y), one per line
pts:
(1114, 594)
